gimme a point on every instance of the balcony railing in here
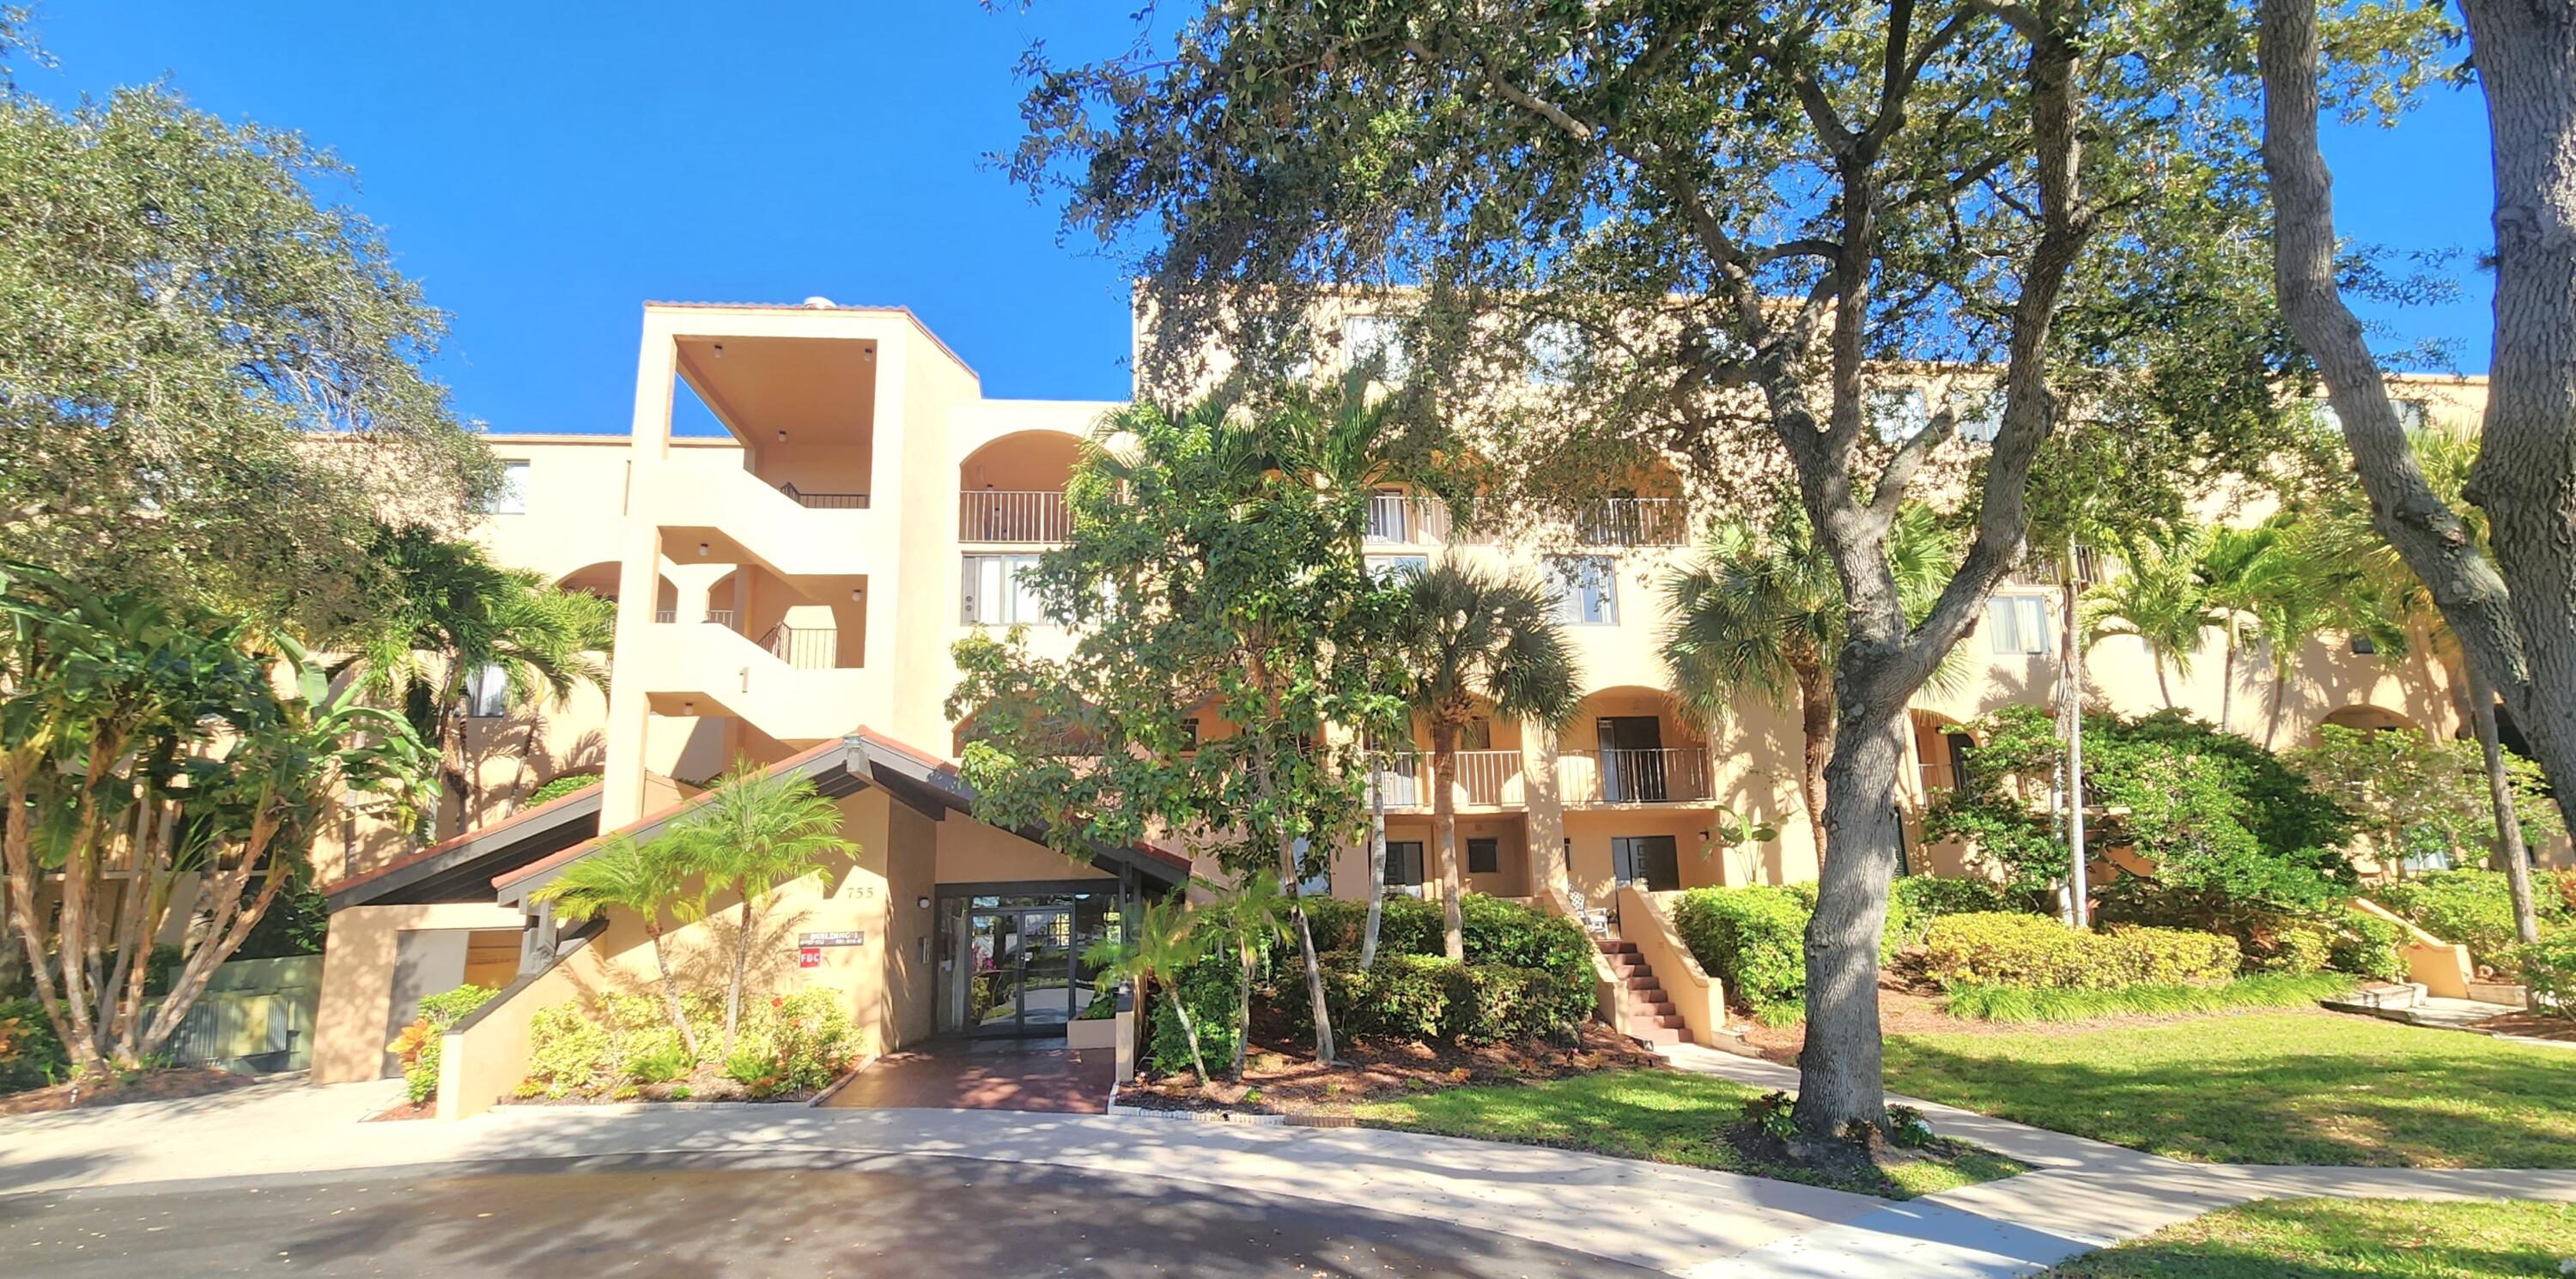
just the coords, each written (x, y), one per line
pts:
(825, 501)
(714, 617)
(1484, 779)
(1013, 515)
(806, 648)
(1670, 775)
(1633, 521)
(1395, 519)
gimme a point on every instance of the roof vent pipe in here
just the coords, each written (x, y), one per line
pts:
(819, 303)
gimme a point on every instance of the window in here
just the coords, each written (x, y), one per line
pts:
(487, 693)
(1374, 339)
(1484, 856)
(1390, 569)
(1190, 733)
(1404, 866)
(1554, 348)
(2412, 415)
(1587, 589)
(1897, 414)
(997, 591)
(512, 498)
(2362, 646)
(1980, 417)
(1389, 517)
(1319, 882)
(2018, 624)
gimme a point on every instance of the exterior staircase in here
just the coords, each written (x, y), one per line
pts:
(1650, 1013)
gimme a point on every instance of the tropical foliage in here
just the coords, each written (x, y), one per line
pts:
(756, 832)
(648, 879)
(147, 748)
(216, 374)
(1469, 640)
(2421, 801)
(1162, 944)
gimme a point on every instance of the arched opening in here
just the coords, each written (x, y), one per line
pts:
(2371, 719)
(1011, 491)
(594, 579)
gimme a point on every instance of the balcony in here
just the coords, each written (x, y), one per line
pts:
(1036, 516)
(805, 648)
(714, 617)
(1484, 779)
(1669, 775)
(825, 501)
(1633, 521)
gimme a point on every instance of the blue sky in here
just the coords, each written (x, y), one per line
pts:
(542, 169)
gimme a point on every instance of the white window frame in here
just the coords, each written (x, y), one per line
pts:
(487, 693)
(1364, 337)
(1586, 587)
(1980, 416)
(1897, 413)
(2015, 623)
(1387, 570)
(1005, 599)
(512, 497)
(1555, 350)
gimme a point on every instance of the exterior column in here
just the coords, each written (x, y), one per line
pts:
(639, 582)
(1550, 876)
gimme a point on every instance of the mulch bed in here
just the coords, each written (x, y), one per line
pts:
(708, 1083)
(155, 1085)
(1280, 1075)
(2531, 1025)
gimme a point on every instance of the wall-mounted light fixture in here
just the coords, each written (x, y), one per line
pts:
(782, 437)
(688, 708)
(702, 548)
(922, 902)
(855, 591)
(718, 348)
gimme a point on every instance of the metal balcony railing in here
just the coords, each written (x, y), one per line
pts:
(1669, 775)
(825, 501)
(1483, 778)
(714, 616)
(806, 648)
(1395, 519)
(1013, 515)
(1633, 521)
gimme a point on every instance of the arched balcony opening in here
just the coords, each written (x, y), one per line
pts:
(1010, 492)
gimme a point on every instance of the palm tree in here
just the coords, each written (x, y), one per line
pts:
(1249, 916)
(1472, 637)
(452, 613)
(2158, 599)
(756, 832)
(2240, 572)
(623, 873)
(1761, 615)
(1350, 445)
(1161, 946)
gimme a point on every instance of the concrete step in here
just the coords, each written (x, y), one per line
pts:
(1661, 1035)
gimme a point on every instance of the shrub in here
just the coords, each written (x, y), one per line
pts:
(569, 1051)
(2549, 972)
(2293, 946)
(31, 1055)
(1527, 974)
(2473, 908)
(418, 1044)
(1209, 987)
(1753, 939)
(2367, 946)
(2004, 1003)
(593, 1047)
(794, 1043)
(2032, 950)
(1493, 931)
(1914, 901)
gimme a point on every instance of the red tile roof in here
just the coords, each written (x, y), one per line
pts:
(455, 841)
(544, 864)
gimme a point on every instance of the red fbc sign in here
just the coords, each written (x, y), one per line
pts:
(809, 956)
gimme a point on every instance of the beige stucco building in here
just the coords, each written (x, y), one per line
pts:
(788, 591)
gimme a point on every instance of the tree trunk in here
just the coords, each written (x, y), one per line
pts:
(1242, 1008)
(1839, 1068)
(1263, 761)
(17, 856)
(2515, 616)
(2227, 681)
(1376, 867)
(2509, 846)
(1444, 827)
(2163, 689)
(671, 989)
(741, 965)
(1189, 1030)
(1816, 722)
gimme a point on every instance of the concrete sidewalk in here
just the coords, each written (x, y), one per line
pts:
(1652, 1215)
(1676, 1220)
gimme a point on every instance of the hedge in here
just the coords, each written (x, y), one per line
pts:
(1751, 939)
(31, 1055)
(1996, 948)
(2549, 972)
(2028, 1003)
(1493, 930)
(1431, 999)
(2474, 908)
(1210, 987)
(1914, 901)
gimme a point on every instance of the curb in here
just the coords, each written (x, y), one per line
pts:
(1239, 1119)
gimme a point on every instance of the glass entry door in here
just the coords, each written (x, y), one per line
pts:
(1024, 979)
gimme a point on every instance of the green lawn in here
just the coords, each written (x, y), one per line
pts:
(2303, 1088)
(2344, 1239)
(1664, 1115)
